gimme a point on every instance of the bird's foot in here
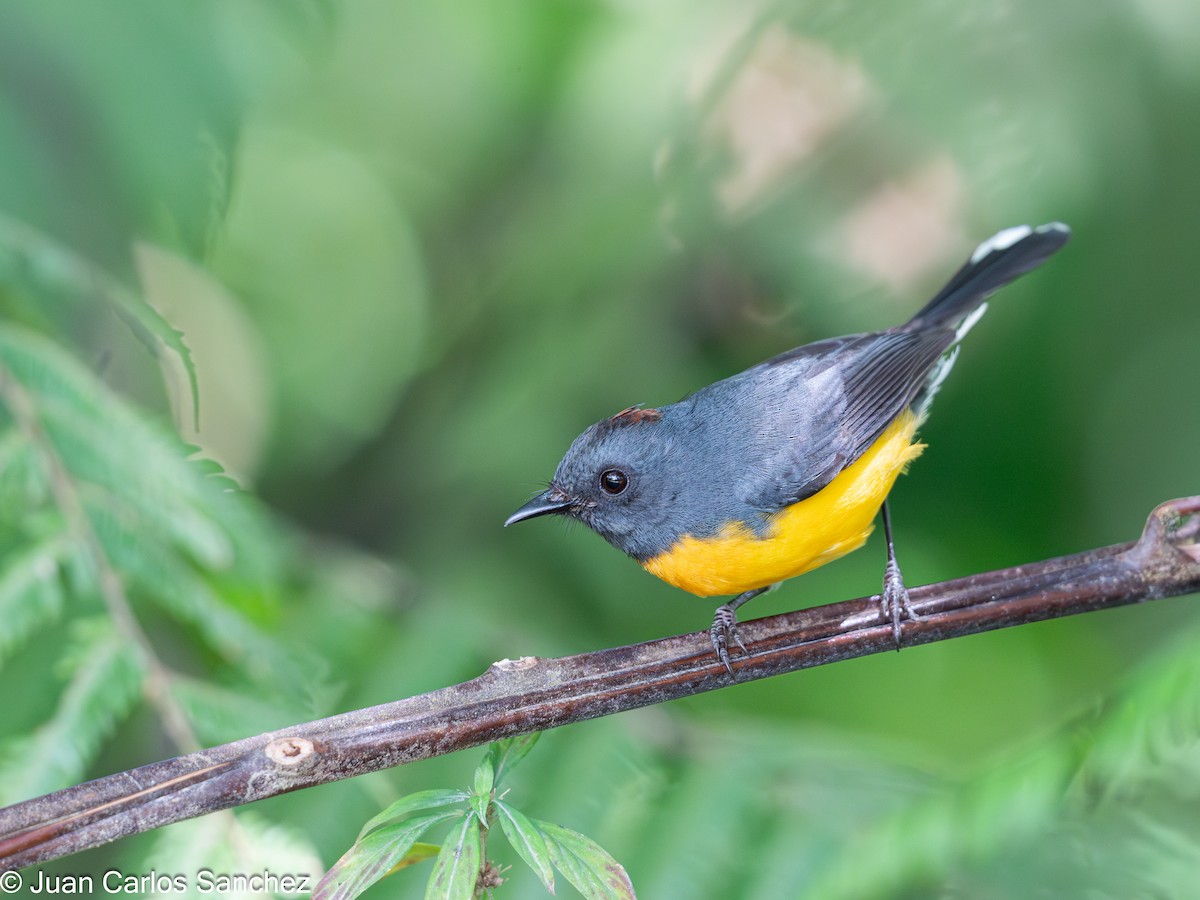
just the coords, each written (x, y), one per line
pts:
(894, 604)
(724, 631)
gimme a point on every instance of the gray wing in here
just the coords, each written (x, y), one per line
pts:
(820, 407)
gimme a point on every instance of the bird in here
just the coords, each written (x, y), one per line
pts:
(781, 468)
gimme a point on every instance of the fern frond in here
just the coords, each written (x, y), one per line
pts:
(31, 590)
(22, 481)
(152, 570)
(1149, 737)
(142, 472)
(60, 272)
(104, 681)
(153, 483)
(1154, 724)
(103, 441)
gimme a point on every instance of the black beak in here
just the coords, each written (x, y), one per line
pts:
(549, 501)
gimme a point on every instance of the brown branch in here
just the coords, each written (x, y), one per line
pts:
(515, 697)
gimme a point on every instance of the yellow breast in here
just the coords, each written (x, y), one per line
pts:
(801, 537)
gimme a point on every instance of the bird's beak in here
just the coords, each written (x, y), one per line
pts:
(549, 501)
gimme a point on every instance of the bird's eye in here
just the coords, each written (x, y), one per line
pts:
(614, 481)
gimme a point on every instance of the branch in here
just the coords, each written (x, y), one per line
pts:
(530, 694)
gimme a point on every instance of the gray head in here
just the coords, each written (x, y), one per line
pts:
(618, 479)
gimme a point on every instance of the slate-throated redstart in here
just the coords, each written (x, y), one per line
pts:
(782, 468)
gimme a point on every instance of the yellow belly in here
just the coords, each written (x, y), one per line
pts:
(805, 535)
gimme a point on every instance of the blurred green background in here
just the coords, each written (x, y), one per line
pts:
(415, 248)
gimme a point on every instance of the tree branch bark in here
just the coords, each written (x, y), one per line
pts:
(519, 696)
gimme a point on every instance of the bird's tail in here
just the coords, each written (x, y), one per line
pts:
(997, 261)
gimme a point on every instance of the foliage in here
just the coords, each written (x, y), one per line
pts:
(106, 512)
(299, 300)
(461, 869)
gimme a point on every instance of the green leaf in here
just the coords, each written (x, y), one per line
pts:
(140, 467)
(527, 840)
(409, 804)
(153, 568)
(1155, 720)
(30, 590)
(456, 871)
(147, 470)
(66, 271)
(155, 333)
(418, 853)
(105, 682)
(23, 483)
(374, 856)
(481, 796)
(1073, 777)
(586, 864)
(507, 753)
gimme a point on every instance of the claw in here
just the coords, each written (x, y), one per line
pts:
(724, 628)
(894, 603)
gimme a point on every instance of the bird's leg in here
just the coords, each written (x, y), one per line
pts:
(725, 628)
(893, 602)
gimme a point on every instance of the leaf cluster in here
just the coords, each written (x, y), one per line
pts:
(461, 869)
(110, 523)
